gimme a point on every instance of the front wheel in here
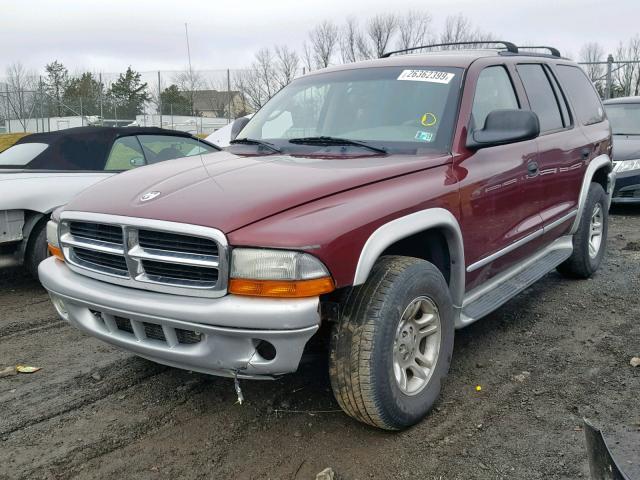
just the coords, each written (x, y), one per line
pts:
(392, 347)
(37, 249)
(590, 240)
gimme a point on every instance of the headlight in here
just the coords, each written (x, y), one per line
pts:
(277, 273)
(52, 239)
(626, 166)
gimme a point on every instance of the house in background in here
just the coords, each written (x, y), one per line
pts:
(214, 103)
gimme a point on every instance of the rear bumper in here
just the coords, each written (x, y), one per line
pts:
(215, 336)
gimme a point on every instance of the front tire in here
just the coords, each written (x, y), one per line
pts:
(590, 240)
(392, 346)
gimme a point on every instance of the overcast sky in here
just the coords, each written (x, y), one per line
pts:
(108, 36)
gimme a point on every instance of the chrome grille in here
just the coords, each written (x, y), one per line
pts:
(149, 254)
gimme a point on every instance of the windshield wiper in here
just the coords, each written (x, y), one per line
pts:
(253, 141)
(335, 141)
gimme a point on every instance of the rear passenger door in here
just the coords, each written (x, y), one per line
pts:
(561, 146)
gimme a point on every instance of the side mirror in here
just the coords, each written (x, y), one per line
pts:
(505, 126)
(237, 126)
(137, 162)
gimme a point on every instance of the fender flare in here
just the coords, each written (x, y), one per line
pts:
(403, 227)
(594, 165)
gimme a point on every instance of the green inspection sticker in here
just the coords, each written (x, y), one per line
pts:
(424, 136)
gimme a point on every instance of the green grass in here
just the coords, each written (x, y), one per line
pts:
(8, 139)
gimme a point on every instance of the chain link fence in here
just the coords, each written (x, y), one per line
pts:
(197, 101)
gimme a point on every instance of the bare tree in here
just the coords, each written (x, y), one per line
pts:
(307, 56)
(353, 43)
(627, 75)
(20, 95)
(414, 30)
(380, 30)
(459, 28)
(589, 53)
(324, 42)
(287, 65)
(189, 82)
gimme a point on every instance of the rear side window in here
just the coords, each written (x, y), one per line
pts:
(21, 154)
(541, 96)
(494, 91)
(582, 94)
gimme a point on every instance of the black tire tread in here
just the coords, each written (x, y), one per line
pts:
(351, 381)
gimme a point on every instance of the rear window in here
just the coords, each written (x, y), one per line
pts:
(20, 155)
(582, 94)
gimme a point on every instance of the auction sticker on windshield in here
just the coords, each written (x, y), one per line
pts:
(426, 76)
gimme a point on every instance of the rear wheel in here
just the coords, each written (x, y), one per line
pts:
(392, 347)
(589, 242)
(36, 248)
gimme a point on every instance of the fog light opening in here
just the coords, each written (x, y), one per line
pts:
(265, 349)
(60, 307)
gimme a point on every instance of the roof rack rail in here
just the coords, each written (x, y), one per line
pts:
(554, 51)
(510, 47)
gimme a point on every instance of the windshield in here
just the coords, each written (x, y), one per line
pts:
(20, 155)
(387, 107)
(624, 118)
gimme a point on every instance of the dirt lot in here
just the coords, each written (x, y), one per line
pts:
(95, 412)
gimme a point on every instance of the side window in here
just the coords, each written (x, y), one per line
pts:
(494, 91)
(582, 94)
(541, 96)
(125, 154)
(560, 97)
(158, 148)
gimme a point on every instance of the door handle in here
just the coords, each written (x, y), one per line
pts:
(532, 168)
(585, 152)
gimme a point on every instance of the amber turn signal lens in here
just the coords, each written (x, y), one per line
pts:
(281, 288)
(56, 252)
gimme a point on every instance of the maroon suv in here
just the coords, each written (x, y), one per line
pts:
(385, 203)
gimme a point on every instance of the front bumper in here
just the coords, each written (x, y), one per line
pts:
(627, 187)
(216, 336)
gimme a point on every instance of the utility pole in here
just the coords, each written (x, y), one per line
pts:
(159, 98)
(101, 113)
(228, 97)
(607, 93)
(186, 33)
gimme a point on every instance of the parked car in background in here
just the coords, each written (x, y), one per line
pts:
(222, 136)
(624, 115)
(375, 206)
(45, 170)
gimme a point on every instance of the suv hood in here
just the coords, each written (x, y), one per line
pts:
(227, 191)
(626, 147)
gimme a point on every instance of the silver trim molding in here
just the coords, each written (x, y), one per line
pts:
(134, 254)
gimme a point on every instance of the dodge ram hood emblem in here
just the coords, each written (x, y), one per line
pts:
(149, 196)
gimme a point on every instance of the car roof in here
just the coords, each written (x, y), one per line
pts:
(105, 133)
(448, 58)
(613, 101)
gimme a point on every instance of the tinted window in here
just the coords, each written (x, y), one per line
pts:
(20, 155)
(158, 148)
(541, 97)
(582, 94)
(494, 91)
(562, 100)
(125, 154)
(624, 118)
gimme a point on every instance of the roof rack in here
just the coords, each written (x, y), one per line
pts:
(510, 47)
(554, 51)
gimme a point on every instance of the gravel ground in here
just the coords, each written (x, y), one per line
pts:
(555, 354)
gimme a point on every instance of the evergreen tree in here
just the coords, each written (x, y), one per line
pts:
(55, 84)
(174, 101)
(129, 94)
